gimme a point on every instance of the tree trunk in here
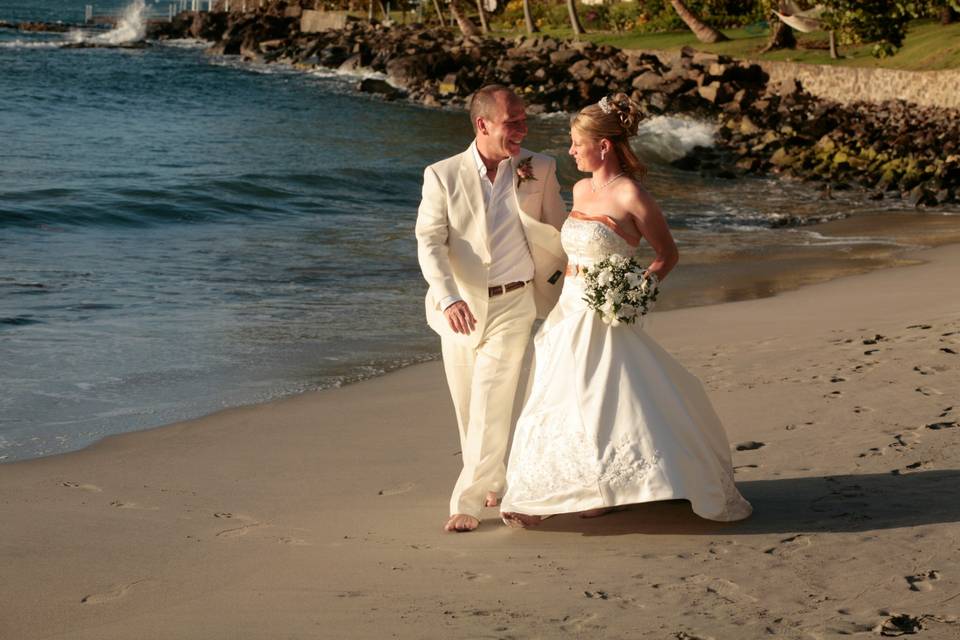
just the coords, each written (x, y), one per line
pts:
(704, 32)
(528, 18)
(467, 28)
(436, 5)
(833, 45)
(782, 36)
(947, 15)
(578, 29)
(483, 18)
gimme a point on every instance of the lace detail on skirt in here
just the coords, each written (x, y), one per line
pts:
(627, 464)
(545, 465)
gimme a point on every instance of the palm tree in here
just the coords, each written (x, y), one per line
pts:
(528, 18)
(703, 31)
(436, 6)
(483, 18)
(467, 28)
(578, 29)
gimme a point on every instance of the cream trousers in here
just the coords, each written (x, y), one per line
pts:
(483, 382)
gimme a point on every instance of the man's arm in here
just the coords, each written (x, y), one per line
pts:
(433, 252)
(432, 231)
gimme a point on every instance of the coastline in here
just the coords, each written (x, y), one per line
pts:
(322, 513)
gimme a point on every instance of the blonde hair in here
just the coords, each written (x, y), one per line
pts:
(616, 119)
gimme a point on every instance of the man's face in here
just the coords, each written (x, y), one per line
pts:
(502, 134)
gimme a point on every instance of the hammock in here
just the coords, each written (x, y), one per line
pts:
(803, 21)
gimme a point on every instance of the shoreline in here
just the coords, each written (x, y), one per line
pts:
(324, 511)
(753, 283)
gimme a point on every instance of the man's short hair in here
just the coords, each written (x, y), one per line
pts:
(484, 102)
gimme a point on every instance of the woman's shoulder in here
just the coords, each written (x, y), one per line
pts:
(632, 196)
(581, 187)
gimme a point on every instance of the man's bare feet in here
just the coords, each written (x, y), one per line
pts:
(461, 523)
(493, 500)
(520, 520)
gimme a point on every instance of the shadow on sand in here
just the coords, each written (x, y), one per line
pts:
(842, 503)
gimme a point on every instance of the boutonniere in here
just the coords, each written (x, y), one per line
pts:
(525, 171)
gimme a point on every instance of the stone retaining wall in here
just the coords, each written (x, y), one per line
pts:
(855, 84)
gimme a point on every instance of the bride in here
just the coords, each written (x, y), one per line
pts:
(612, 419)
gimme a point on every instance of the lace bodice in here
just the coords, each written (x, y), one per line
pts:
(589, 238)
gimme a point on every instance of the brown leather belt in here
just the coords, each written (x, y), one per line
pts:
(510, 286)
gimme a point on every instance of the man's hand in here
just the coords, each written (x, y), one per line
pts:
(459, 317)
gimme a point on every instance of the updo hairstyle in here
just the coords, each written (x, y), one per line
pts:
(615, 118)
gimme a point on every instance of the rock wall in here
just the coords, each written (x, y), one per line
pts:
(853, 84)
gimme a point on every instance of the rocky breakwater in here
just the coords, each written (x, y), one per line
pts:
(893, 150)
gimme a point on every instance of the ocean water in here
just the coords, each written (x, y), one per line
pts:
(181, 233)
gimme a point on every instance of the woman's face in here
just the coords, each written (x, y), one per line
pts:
(585, 151)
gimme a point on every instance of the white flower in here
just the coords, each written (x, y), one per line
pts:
(604, 278)
(633, 279)
(628, 311)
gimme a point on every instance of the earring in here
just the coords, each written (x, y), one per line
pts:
(603, 154)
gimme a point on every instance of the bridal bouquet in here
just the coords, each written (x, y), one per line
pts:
(620, 289)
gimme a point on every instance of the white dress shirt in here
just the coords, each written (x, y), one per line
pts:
(510, 259)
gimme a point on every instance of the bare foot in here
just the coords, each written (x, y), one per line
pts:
(596, 513)
(461, 523)
(493, 500)
(520, 520)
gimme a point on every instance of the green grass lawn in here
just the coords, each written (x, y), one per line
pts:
(928, 46)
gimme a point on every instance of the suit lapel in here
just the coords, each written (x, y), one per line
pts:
(470, 177)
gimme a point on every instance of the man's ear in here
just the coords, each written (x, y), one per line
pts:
(482, 126)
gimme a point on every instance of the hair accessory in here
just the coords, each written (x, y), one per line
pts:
(605, 105)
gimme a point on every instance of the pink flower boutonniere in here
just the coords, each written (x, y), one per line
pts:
(525, 171)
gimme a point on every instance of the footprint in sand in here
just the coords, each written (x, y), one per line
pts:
(750, 445)
(791, 545)
(113, 594)
(236, 532)
(477, 577)
(928, 391)
(581, 623)
(397, 490)
(938, 426)
(131, 505)
(914, 466)
(921, 581)
(92, 488)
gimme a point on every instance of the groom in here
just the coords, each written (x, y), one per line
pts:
(489, 248)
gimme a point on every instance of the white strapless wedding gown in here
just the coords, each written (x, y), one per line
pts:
(611, 418)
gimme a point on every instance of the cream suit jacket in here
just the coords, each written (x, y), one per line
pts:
(453, 244)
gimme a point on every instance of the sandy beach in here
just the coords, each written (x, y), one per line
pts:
(321, 516)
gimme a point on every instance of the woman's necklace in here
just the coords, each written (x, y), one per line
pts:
(595, 188)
